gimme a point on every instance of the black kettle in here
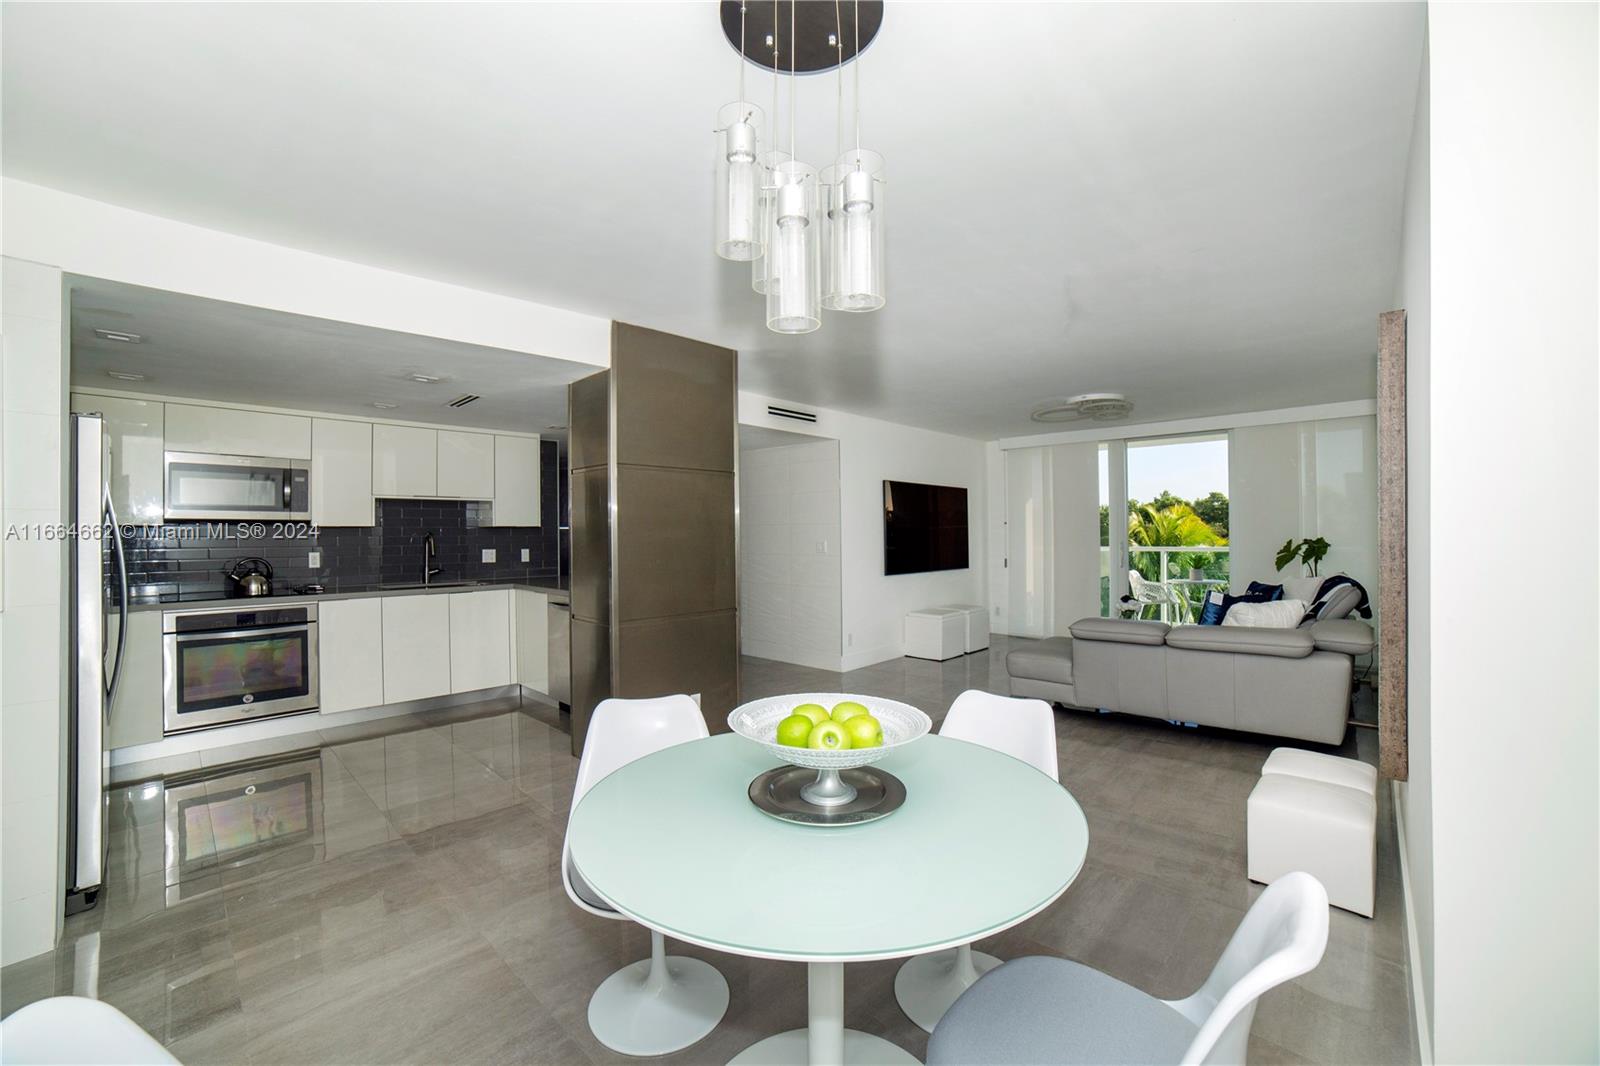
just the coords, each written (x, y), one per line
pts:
(251, 577)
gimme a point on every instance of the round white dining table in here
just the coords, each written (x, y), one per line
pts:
(983, 841)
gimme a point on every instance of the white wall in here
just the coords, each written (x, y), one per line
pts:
(790, 601)
(98, 240)
(1414, 809)
(1510, 396)
(870, 452)
(33, 404)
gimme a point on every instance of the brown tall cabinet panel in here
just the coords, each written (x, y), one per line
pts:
(655, 595)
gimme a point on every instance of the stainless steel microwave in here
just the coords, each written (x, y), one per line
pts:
(237, 487)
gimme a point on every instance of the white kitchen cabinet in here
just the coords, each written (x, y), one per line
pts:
(466, 465)
(231, 431)
(532, 632)
(136, 714)
(350, 653)
(341, 472)
(416, 647)
(480, 639)
(405, 461)
(516, 482)
(138, 475)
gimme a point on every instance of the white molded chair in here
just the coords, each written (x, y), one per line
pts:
(1042, 1009)
(78, 1031)
(1150, 594)
(926, 985)
(666, 1002)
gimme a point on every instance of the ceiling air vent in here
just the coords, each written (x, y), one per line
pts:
(1094, 406)
(791, 414)
(463, 400)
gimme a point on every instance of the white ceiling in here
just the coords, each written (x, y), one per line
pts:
(211, 350)
(1195, 204)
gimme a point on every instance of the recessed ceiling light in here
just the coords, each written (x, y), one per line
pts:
(124, 375)
(121, 335)
(1095, 406)
(424, 379)
(380, 405)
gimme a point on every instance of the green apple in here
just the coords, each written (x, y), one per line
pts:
(865, 732)
(795, 730)
(816, 712)
(829, 736)
(843, 712)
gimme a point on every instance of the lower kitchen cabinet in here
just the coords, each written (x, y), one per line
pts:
(480, 639)
(350, 654)
(533, 639)
(416, 647)
(135, 716)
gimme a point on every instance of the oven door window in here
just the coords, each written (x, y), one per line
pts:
(230, 671)
(206, 488)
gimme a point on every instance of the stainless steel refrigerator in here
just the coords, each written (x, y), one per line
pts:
(98, 596)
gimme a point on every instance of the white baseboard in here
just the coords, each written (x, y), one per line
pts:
(1419, 1000)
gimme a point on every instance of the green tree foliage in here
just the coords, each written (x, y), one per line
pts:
(1177, 526)
(1213, 511)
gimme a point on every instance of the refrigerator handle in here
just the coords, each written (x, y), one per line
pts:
(122, 603)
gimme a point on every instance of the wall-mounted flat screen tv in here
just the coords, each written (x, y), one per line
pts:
(924, 527)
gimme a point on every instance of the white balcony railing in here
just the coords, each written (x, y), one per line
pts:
(1170, 567)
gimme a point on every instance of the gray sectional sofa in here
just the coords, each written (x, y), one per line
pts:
(1282, 682)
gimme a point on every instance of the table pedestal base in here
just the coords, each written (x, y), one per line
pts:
(825, 1041)
(927, 984)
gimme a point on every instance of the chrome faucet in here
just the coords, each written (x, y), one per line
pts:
(429, 551)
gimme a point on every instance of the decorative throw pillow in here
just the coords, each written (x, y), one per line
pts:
(1261, 588)
(1273, 614)
(1218, 604)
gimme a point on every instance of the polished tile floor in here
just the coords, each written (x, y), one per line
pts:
(410, 909)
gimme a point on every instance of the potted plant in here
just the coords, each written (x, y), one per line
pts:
(1196, 574)
(1310, 552)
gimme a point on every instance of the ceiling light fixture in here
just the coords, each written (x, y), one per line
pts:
(380, 405)
(424, 379)
(124, 375)
(1093, 406)
(120, 335)
(818, 239)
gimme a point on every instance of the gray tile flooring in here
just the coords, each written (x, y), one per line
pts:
(414, 912)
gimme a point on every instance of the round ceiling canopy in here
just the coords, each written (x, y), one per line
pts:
(816, 36)
(1095, 406)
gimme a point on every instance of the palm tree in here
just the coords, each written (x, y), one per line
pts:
(1176, 526)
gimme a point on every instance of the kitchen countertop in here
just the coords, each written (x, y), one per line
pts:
(556, 592)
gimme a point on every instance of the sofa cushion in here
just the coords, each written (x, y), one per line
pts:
(1275, 614)
(1120, 630)
(1042, 660)
(1243, 640)
(1306, 587)
(1340, 602)
(1351, 636)
(1261, 588)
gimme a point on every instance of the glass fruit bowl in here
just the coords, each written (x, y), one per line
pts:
(758, 721)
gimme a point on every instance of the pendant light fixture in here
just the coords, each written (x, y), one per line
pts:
(738, 179)
(813, 241)
(794, 284)
(856, 235)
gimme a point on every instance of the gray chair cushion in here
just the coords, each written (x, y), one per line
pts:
(1243, 640)
(1042, 660)
(1046, 1010)
(1349, 635)
(1120, 630)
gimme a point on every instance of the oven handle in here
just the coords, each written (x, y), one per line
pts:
(220, 634)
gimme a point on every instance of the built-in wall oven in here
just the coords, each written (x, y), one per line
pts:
(237, 488)
(231, 665)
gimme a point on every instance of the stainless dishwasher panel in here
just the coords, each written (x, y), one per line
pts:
(560, 630)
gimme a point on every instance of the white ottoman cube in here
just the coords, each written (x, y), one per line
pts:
(1327, 830)
(936, 633)
(977, 625)
(1315, 766)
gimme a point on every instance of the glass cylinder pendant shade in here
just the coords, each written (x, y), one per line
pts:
(794, 246)
(767, 163)
(738, 182)
(855, 279)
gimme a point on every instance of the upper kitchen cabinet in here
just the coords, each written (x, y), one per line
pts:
(231, 431)
(516, 482)
(466, 465)
(341, 473)
(405, 461)
(138, 483)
